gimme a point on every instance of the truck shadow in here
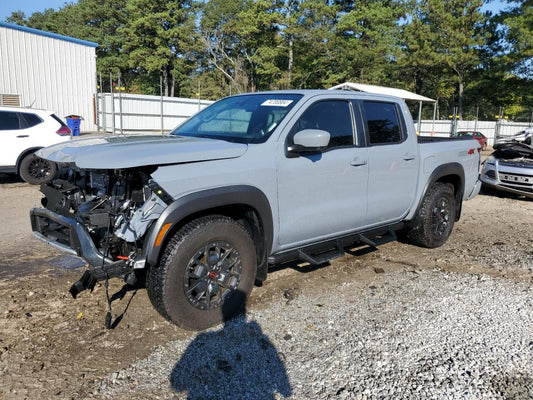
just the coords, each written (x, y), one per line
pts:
(236, 360)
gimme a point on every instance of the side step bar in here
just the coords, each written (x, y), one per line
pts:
(322, 253)
(322, 258)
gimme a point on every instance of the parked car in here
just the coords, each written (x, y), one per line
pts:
(252, 181)
(481, 138)
(510, 168)
(23, 131)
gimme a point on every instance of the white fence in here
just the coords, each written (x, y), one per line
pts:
(491, 129)
(131, 113)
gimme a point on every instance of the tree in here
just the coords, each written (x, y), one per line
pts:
(445, 35)
(241, 41)
(157, 38)
(368, 35)
(518, 21)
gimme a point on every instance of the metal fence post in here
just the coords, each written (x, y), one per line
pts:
(120, 103)
(112, 103)
(161, 101)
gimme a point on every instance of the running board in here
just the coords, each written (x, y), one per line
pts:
(321, 253)
(321, 258)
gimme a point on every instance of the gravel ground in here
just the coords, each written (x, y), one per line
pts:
(401, 322)
(413, 334)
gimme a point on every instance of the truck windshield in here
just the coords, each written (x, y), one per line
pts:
(243, 119)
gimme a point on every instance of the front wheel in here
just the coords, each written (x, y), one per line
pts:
(36, 170)
(436, 217)
(206, 273)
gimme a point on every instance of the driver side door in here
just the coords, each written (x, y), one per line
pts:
(322, 195)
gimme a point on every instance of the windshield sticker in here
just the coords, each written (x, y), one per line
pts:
(277, 102)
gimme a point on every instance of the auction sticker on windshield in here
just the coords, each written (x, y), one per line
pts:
(277, 102)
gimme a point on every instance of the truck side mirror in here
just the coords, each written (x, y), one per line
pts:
(309, 141)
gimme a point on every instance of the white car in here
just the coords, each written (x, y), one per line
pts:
(23, 131)
(510, 168)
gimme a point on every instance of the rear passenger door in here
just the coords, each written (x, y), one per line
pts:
(15, 136)
(392, 161)
(323, 194)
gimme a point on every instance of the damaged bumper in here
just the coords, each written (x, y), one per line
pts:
(65, 234)
(72, 237)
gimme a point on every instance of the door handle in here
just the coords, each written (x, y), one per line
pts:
(23, 136)
(357, 163)
(409, 157)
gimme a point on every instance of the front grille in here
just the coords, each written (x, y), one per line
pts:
(516, 179)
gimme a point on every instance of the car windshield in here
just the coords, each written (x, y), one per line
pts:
(243, 119)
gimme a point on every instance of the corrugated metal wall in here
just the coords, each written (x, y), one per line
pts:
(49, 73)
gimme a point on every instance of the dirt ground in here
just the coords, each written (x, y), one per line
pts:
(52, 346)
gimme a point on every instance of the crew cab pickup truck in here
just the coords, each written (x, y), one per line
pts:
(252, 181)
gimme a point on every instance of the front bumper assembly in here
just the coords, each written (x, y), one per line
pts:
(72, 237)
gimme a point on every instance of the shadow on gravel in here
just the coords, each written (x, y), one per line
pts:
(236, 361)
(502, 194)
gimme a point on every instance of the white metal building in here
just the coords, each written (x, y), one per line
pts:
(44, 70)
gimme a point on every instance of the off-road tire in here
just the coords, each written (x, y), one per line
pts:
(435, 219)
(169, 283)
(36, 170)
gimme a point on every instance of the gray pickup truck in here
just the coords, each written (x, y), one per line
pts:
(254, 180)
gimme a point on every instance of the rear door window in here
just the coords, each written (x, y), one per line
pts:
(383, 123)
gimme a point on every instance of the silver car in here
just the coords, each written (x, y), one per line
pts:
(510, 168)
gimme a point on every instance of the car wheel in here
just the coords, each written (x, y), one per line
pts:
(206, 273)
(436, 217)
(36, 170)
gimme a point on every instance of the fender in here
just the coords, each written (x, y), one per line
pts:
(204, 200)
(445, 171)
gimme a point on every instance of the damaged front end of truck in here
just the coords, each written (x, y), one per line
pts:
(102, 216)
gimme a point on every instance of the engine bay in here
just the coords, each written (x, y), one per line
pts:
(115, 206)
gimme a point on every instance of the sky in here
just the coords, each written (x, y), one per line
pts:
(31, 6)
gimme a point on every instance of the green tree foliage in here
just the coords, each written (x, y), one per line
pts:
(444, 49)
(518, 21)
(443, 37)
(158, 37)
(367, 35)
(241, 41)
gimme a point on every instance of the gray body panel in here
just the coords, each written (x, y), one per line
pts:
(313, 197)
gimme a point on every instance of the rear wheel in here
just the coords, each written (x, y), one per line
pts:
(436, 217)
(36, 170)
(206, 273)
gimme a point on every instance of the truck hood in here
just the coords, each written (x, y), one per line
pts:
(116, 152)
